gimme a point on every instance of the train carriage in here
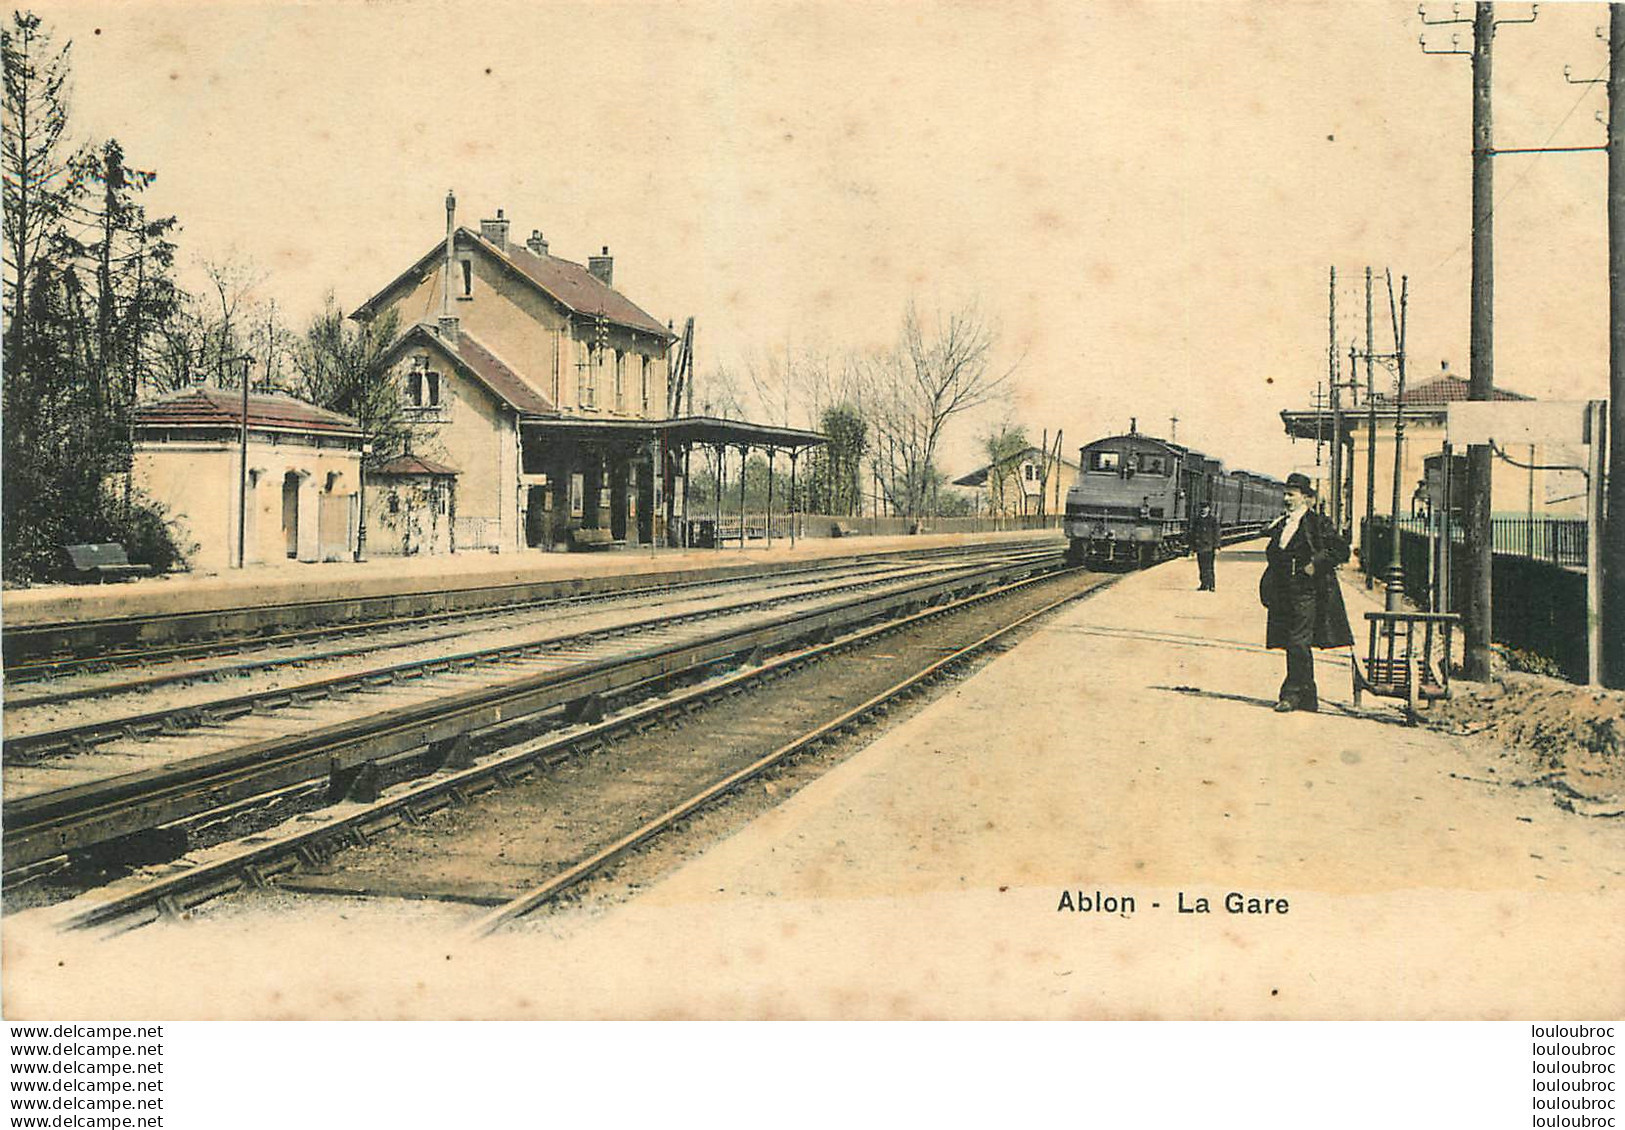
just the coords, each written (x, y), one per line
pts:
(1135, 495)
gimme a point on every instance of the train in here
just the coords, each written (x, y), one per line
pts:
(1135, 496)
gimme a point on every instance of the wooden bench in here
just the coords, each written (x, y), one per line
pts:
(590, 539)
(1407, 656)
(102, 561)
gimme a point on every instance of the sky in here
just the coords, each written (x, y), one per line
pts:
(1144, 198)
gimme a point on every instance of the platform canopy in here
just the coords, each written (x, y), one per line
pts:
(683, 431)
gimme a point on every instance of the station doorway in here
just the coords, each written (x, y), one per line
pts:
(290, 512)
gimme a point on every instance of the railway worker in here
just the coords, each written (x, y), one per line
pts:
(1299, 587)
(1205, 541)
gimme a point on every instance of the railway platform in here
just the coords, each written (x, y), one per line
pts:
(1107, 821)
(261, 586)
(1110, 821)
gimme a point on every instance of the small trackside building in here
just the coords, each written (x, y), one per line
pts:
(303, 480)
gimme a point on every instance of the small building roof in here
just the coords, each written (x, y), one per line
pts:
(410, 464)
(979, 476)
(209, 407)
(1426, 402)
(475, 360)
(1449, 388)
(567, 283)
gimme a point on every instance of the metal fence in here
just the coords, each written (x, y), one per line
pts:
(1558, 541)
(1539, 602)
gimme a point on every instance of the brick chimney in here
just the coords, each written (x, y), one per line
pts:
(495, 231)
(449, 328)
(537, 245)
(602, 267)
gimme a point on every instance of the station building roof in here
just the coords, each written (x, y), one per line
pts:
(474, 360)
(1426, 401)
(573, 287)
(205, 408)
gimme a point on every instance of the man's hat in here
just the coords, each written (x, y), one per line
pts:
(1300, 483)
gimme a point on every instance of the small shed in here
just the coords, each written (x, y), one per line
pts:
(303, 475)
(411, 507)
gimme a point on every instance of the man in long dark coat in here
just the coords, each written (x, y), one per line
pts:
(1300, 590)
(1205, 541)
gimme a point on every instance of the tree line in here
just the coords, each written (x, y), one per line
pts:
(884, 412)
(95, 320)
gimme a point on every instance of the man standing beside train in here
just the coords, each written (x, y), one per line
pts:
(1300, 589)
(1205, 541)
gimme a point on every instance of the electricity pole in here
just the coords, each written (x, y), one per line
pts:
(1370, 440)
(1613, 536)
(1337, 415)
(1481, 335)
(1480, 547)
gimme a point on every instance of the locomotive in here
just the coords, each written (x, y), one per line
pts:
(1135, 496)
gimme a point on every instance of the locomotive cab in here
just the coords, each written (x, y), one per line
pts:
(1134, 496)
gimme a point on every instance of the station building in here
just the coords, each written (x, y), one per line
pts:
(542, 397)
(1023, 486)
(1518, 491)
(303, 475)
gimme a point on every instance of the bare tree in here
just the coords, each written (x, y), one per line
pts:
(223, 320)
(912, 392)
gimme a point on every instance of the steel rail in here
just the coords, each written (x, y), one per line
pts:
(28, 748)
(33, 651)
(536, 896)
(48, 824)
(256, 864)
(364, 647)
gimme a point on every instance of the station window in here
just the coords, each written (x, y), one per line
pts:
(1104, 461)
(1028, 472)
(587, 383)
(620, 380)
(422, 384)
(468, 278)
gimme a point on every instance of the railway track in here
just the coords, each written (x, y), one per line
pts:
(60, 649)
(520, 645)
(195, 662)
(301, 853)
(118, 816)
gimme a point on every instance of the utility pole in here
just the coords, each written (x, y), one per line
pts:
(1481, 334)
(1337, 415)
(1370, 439)
(1613, 535)
(1395, 594)
(1481, 338)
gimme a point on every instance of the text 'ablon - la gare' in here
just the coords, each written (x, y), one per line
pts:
(1234, 902)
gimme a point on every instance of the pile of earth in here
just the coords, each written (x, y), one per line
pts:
(1547, 732)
